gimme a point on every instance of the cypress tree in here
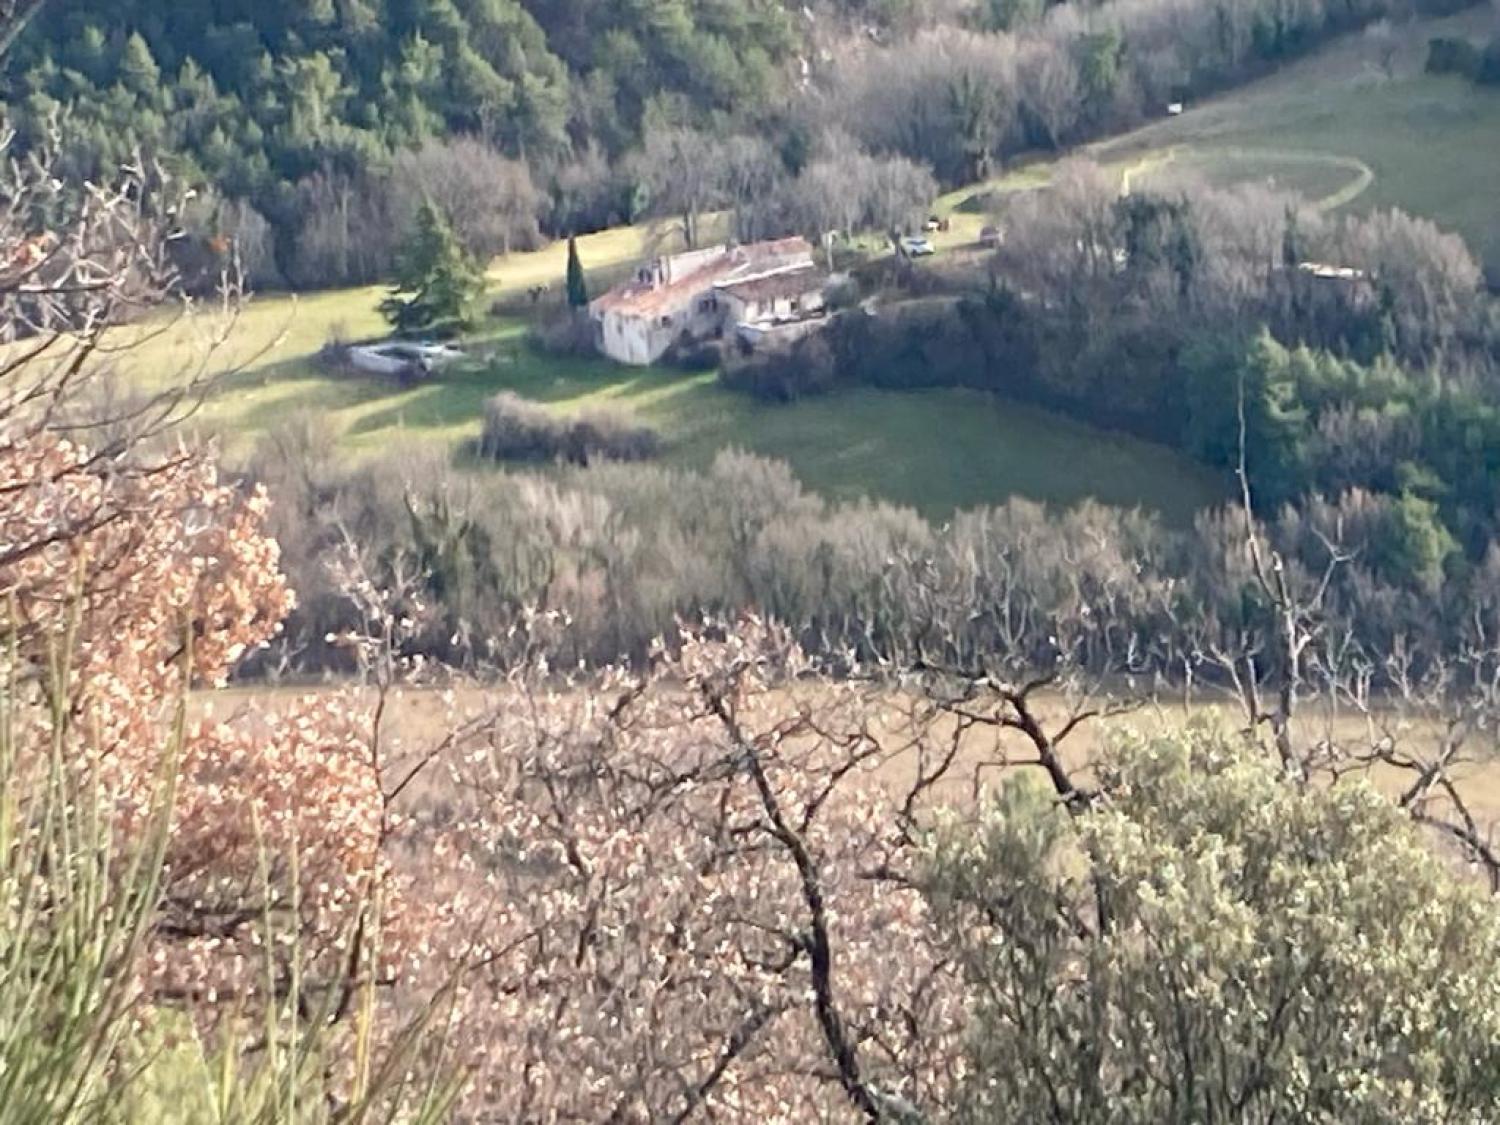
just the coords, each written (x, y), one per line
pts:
(578, 288)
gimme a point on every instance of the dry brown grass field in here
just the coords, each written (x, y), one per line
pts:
(417, 719)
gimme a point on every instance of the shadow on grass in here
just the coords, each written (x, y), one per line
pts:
(301, 389)
(457, 397)
(435, 405)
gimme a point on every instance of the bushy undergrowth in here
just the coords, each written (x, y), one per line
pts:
(564, 334)
(692, 355)
(517, 430)
(624, 552)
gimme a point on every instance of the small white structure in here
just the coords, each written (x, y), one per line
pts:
(772, 299)
(759, 334)
(1325, 272)
(680, 296)
(1174, 109)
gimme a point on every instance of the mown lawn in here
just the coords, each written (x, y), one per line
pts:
(937, 451)
(274, 336)
(1327, 180)
(1432, 143)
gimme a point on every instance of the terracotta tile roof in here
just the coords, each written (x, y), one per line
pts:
(647, 299)
(640, 298)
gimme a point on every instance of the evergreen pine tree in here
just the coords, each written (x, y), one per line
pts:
(138, 69)
(578, 288)
(437, 282)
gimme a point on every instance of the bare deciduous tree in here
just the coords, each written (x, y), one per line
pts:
(88, 276)
(346, 235)
(684, 173)
(489, 198)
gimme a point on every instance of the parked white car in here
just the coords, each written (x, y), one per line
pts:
(400, 356)
(918, 247)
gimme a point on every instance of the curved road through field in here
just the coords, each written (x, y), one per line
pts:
(1363, 174)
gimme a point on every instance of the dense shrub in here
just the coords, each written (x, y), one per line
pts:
(1223, 882)
(1489, 64)
(569, 333)
(688, 354)
(333, 356)
(918, 344)
(517, 430)
(843, 292)
(1491, 260)
(1453, 55)
(783, 372)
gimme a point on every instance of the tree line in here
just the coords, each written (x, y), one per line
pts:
(963, 96)
(594, 564)
(1480, 63)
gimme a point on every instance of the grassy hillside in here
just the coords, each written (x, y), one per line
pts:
(1346, 130)
(1350, 126)
(937, 451)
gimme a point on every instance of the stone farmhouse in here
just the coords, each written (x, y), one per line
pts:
(702, 294)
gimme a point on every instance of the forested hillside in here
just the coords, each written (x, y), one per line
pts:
(256, 91)
(284, 105)
(298, 112)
